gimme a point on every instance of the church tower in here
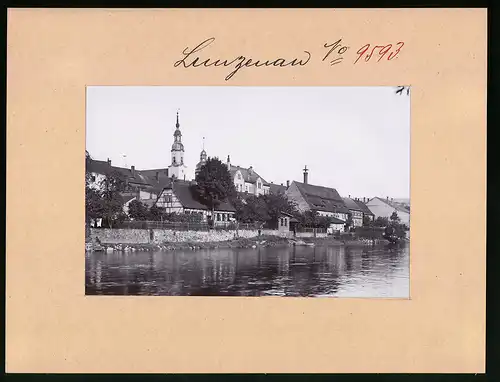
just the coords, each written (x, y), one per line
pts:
(203, 158)
(177, 169)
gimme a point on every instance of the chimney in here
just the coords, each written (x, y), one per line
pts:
(228, 162)
(349, 196)
(363, 199)
(109, 162)
(157, 175)
(132, 168)
(287, 184)
(250, 170)
(282, 184)
(305, 174)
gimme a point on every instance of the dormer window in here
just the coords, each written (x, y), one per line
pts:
(239, 176)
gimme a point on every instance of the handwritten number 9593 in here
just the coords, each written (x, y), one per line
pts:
(382, 51)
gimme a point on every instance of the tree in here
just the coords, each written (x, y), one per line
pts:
(214, 184)
(111, 185)
(138, 210)
(276, 204)
(349, 222)
(367, 222)
(94, 206)
(155, 213)
(93, 202)
(253, 209)
(395, 218)
(381, 222)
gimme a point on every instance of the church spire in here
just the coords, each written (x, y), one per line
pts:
(177, 123)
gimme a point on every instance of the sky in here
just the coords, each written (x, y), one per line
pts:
(354, 139)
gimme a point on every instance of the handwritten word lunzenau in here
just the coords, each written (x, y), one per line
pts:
(239, 62)
(335, 54)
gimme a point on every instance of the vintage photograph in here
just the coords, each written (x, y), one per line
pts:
(247, 191)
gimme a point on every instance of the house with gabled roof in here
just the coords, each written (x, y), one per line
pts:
(247, 180)
(326, 201)
(355, 211)
(385, 207)
(180, 197)
(147, 184)
(366, 211)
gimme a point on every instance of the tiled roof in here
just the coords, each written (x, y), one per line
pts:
(143, 178)
(276, 189)
(322, 198)
(249, 175)
(334, 220)
(352, 204)
(364, 208)
(395, 205)
(185, 193)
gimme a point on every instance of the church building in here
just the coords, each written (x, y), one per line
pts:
(177, 168)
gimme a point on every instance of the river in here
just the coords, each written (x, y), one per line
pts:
(272, 271)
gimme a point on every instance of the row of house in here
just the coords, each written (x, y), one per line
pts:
(168, 189)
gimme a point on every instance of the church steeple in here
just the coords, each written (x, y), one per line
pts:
(177, 152)
(203, 158)
(203, 154)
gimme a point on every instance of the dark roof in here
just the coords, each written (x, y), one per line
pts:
(364, 208)
(276, 189)
(142, 178)
(185, 193)
(352, 204)
(337, 221)
(322, 198)
(249, 175)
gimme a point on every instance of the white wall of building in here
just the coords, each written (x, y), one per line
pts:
(380, 208)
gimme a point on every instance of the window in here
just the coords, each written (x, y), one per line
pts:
(93, 178)
(258, 185)
(239, 176)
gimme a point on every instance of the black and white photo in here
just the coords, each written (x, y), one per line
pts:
(247, 191)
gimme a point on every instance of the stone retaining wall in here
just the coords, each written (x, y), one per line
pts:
(170, 236)
(311, 234)
(158, 236)
(116, 236)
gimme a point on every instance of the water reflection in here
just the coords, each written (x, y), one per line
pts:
(288, 271)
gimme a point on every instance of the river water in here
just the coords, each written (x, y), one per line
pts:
(272, 271)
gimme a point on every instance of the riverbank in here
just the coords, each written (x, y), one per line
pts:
(256, 242)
